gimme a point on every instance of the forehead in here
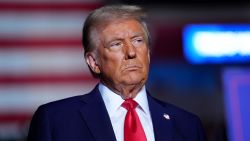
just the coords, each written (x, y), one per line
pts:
(122, 28)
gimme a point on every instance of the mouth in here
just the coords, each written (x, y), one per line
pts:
(131, 68)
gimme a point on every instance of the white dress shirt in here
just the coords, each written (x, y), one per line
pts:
(117, 113)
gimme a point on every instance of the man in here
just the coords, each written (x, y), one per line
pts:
(116, 43)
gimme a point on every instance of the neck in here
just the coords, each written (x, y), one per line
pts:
(125, 91)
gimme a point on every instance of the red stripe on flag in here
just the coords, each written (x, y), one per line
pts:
(29, 6)
(46, 79)
(15, 117)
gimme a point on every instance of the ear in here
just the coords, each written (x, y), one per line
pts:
(92, 62)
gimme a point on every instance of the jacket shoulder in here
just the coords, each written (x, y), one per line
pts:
(186, 123)
(175, 110)
(66, 104)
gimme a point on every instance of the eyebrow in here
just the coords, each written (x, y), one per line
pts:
(138, 34)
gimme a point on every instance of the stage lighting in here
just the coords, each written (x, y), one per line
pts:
(216, 43)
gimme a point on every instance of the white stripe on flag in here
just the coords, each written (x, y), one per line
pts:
(19, 24)
(26, 98)
(42, 61)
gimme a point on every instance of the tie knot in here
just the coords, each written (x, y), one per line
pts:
(129, 104)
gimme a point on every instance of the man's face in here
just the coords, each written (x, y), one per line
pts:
(122, 54)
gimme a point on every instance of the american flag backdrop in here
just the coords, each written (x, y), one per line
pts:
(41, 58)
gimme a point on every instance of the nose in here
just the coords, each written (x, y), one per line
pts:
(130, 51)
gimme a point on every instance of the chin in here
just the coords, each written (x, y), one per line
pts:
(134, 81)
(134, 78)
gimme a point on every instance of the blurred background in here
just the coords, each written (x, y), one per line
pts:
(41, 60)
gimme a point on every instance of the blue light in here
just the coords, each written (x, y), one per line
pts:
(215, 43)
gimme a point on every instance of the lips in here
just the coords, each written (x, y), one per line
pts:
(131, 67)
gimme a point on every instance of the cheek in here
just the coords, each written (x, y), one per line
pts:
(145, 60)
(111, 62)
(144, 56)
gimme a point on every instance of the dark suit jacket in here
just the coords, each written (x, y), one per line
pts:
(85, 118)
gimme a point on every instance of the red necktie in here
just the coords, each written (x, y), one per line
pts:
(133, 130)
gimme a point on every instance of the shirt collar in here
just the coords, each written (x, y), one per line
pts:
(113, 101)
(141, 99)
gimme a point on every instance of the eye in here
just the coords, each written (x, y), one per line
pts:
(138, 41)
(115, 44)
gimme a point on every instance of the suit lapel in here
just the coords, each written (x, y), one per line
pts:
(96, 116)
(163, 125)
